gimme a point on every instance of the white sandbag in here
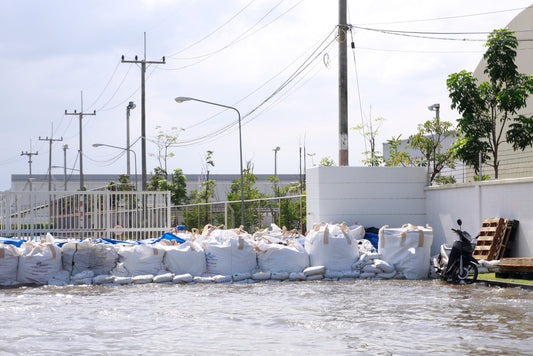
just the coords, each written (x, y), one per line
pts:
(275, 257)
(142, 279)
(122, 280)
(79, 256)
(408, 248)
(103, 279)
(183, 278)
(163, 278)
(241, 276)
(315, 277)
(223, 279)
(141, 259)
(351, 274)
(199, 279)
(384, 266)
(358, 231)
(60, 279)
(315, 270)
(297, 276)
(188, 257)
(85, 277)
(228, 252)
(261, 276)
(279, 276)
(371, 268)
(38, 262)
(9, 260)
(332, 246)
(386, 275)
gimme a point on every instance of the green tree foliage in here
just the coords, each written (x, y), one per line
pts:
(397, 157)
(326, 162)
(428, 141)
(488, 110)
(177, 186)
(251, 215)
(369, 131)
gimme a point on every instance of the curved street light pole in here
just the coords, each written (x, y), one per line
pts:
(181, 99)
(124, 149)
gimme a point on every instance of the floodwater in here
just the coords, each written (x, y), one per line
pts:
(396, 317)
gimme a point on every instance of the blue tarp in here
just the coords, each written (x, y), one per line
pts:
(11, 241)
(171, 237)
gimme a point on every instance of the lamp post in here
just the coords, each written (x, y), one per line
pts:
(276, 166)
(124, 149)
(181, 99)
(130, 106)
(435, 107)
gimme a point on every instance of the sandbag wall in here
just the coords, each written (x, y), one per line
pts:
(328, 252)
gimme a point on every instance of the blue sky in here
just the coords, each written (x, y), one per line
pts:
(237, 53)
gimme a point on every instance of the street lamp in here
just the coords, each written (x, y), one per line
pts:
(124, 149)
(130, 106)
(436, 108)
(276, 161)
(181, 99)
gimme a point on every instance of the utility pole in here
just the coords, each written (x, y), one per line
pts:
(65, 147)
(29, 154)
(343, 86)
(80, 115)
(143, 63)
(50, 140)
(130, 107)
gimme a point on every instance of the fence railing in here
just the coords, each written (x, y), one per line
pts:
(107, 214)
(289, 211)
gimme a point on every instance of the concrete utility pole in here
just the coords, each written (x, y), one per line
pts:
(50, 140)
(130, 107)
(65, 147)
(343, 86)
(80, 115)
(29, 154)
(143, 63)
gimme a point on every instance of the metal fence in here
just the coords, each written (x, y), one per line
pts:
(287, 211)
(103, 214)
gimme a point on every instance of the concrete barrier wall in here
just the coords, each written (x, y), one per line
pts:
(377, 196)
(473, 202)
(371, 196)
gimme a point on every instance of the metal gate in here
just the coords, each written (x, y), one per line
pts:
(117, 215)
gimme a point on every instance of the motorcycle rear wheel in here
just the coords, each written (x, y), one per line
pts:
(466, 275)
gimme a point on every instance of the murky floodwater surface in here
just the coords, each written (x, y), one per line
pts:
(308, 318)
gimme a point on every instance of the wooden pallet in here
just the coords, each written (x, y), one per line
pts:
(490, 239)
(524, 265)
(508, 235)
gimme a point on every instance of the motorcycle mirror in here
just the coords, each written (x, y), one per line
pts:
(459, 222)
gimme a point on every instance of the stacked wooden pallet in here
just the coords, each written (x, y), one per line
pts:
(494, 238)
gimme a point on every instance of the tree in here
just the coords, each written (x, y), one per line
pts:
(251, 218)
(177, 187)
(165, 140)
(326, 162)
(428, 141)
(372, 158)
(488, 109)
(397, 158)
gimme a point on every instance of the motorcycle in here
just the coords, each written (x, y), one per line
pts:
(456, 262)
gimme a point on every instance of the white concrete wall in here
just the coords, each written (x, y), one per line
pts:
(473, 202)
(371, 196)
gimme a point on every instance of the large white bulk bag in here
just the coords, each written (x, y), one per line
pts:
(273, 257)
(9, 260)
(38, 262)
(332, 246)
(142, 259)
(408, 248)
(188, 257)
(228, 252)
(80, 256)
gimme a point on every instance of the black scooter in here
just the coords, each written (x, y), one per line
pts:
(457, 263)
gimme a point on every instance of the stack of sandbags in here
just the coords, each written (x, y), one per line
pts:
(9, 260)
(38, 261)
(139, 260)
(80, 256)
(408, 248)
(332, 246)
(287, 256)
(228, 251)
(188, 257)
